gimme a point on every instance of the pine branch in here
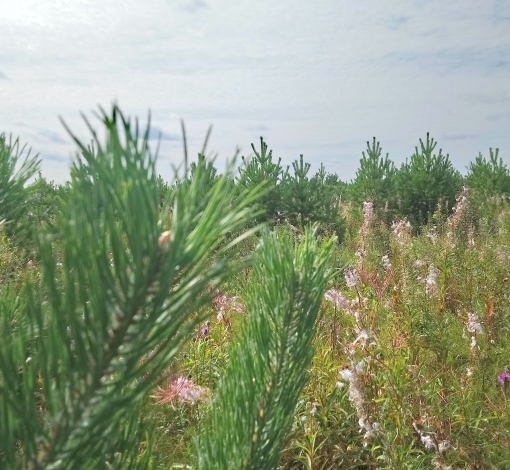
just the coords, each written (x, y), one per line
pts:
(268, 367)
(102, 327)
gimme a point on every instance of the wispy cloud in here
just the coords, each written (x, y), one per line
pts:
(54, 157)
(457, 136)
(397, 21)
(502, 10)
(495, 58)
(258, 128)
(487, 98)
(156, 133)
(193, 6)
(498, 117)
(53, 137)
(3, 76)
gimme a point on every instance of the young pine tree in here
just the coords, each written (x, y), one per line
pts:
(425, 183)
(375, 180)
(261, 170)
(489, 177)
(308, 200)
(16, 169)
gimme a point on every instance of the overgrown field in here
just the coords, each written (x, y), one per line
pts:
(204, 324)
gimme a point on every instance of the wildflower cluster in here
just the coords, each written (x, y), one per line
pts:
(179, 388)
(225, 305)
(458, 213)
(401, 231)
(353, 376)
(431, 287)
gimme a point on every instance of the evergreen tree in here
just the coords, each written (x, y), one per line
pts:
(426, 182)
(375, 179)
(308, 200)
(489, 177)
(16, 169)
(261, 170)
(210, 176)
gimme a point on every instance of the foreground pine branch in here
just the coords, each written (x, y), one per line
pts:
(84, 347)
(269, 366)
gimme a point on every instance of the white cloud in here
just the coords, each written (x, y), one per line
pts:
(323, 76)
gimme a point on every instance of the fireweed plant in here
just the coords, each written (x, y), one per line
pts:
(422, 353)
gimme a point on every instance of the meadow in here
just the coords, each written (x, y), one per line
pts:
(259, 318)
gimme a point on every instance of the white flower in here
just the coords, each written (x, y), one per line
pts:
(347, 375)
(401, 231)
(473, 324)
(386, 262)
(431, 282)
(368, 214)
(338, 299)
(362, 338)
(351, 278)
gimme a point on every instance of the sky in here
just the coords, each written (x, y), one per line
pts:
(318, 78)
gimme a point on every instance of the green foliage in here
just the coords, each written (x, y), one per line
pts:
(407, 353)
(45, 202)
(309, 200)
(15, 171)
(262, 170)
(100, 329)
(375, 179)
(267, 368)
(209, 179)
(425, 183)
(489, 177)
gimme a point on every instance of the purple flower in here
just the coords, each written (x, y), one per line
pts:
(205, 330)
(504, 377)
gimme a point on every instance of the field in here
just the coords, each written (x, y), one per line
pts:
(256, 319)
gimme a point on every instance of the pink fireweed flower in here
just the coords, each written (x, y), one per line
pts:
(357, 398)
(179, 388)
(458, 210)
(226, 304)
(430, 441)
(368, 213)
(504, 378)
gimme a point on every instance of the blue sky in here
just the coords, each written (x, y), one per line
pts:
(318, 78)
